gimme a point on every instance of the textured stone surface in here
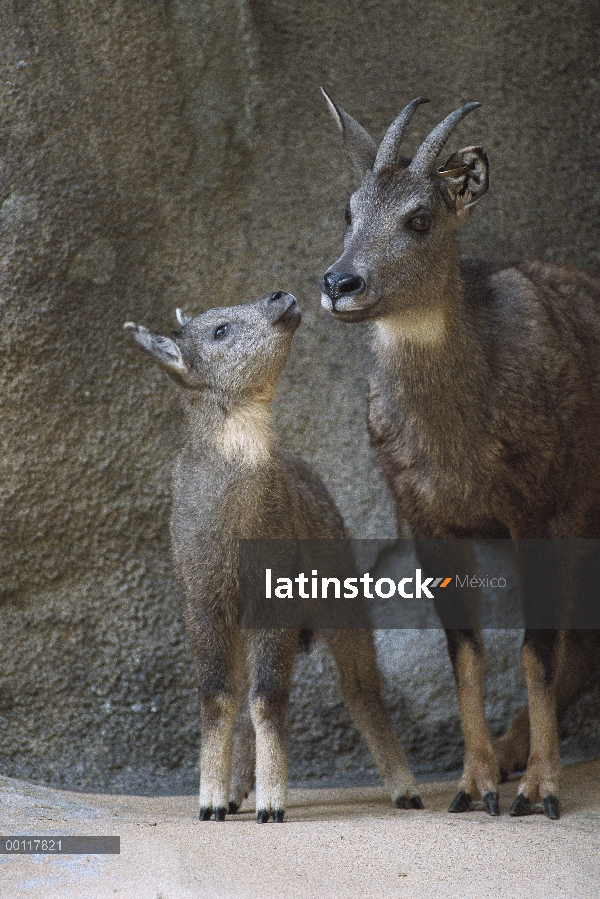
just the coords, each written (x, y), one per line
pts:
(164, 154)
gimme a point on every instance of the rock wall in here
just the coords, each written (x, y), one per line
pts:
(179, 154)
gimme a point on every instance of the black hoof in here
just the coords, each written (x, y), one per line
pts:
(461, 802)
(220, 813)
(417, 802)
(233, 808)
(278, 816)
(521, 806)
(491, 801)
(262, 816)
(551, 808)
(403, 802)
(205, 813)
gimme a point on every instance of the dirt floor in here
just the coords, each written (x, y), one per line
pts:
(335, 843)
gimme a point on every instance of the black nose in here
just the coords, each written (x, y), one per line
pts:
(337, 285)
(277, 295)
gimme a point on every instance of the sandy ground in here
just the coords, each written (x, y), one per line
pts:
(335, 843)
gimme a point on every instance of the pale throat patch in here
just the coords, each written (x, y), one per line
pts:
(413, 325)
(246, 433)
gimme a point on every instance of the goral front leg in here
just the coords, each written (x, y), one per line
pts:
(459, 612)
(480, 771)
(272, 657)
(218, 714)
(542, 777)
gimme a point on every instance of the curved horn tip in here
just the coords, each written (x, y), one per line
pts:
(431, 147)
(387, 153)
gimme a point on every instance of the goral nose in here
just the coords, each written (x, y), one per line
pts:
(344, 284)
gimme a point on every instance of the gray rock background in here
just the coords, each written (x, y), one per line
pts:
(178, 153)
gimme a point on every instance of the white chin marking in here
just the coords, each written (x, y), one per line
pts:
(246, 434)
(349, 304)
(326, 302)
(414, 326)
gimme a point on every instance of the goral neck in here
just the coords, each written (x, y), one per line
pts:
(432, 365)
(240, 435)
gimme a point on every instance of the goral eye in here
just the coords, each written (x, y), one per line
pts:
(348, 215)
(220, 332)
(420, 222)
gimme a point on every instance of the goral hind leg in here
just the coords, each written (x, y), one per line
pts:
(244, 757)
(361, 687)
(579, 661)
(512, 748)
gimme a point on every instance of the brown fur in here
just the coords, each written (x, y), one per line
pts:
(232, 482)
(491, 426)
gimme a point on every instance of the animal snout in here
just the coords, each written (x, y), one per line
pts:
(284, 307)
(342, 284)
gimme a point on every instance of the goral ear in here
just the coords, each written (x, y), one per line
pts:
(360, 147)
(162, 349)
(464, 179)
